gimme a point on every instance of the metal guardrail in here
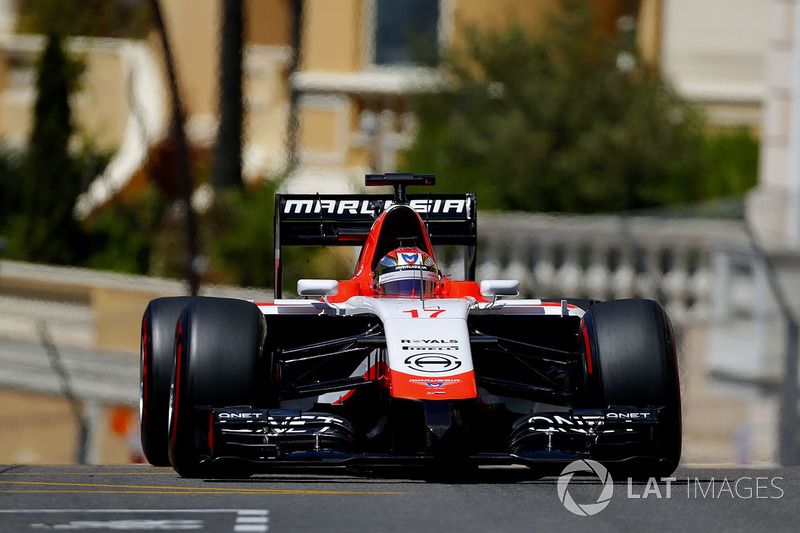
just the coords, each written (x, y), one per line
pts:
(106, 377)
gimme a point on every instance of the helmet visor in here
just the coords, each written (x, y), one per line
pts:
(408, 283)
(408, 287)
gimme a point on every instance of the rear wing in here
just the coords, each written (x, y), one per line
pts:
(346, 219)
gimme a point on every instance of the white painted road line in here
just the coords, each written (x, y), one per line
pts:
(124, 525)
(256, 520)
(247, 520)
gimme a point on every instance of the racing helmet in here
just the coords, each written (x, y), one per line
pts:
(406, 272)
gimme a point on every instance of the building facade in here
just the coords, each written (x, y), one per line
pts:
(341, 71)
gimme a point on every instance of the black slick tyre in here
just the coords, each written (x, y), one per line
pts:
(155, 372)
(630, 360)
(218, 363)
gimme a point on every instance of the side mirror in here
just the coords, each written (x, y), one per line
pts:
(317, 287)
(499, 287)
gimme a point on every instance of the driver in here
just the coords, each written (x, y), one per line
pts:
(406, 272)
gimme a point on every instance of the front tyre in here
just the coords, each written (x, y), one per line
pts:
(218, 363)
(630, 360)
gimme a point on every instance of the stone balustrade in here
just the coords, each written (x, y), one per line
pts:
(604, 257)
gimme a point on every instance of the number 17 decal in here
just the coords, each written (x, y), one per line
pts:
(433, 312)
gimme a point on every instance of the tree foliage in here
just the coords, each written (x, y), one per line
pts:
(237, 232)
(566, 120)
(10, 185)
(121, 234)
(95, 18)
(237, 246)
(45, 229)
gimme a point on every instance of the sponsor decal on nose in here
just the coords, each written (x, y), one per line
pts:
(433, 362)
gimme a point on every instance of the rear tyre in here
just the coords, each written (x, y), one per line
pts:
(218, 363)
(630, 360)
(156, 355)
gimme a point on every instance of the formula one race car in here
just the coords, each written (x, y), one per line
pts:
(402, 365)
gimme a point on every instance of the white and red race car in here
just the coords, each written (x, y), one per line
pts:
(402, 365)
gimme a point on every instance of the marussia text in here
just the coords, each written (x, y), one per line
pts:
(335, 206)
(743, 488)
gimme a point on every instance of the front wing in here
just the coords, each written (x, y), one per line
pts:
(262, 439)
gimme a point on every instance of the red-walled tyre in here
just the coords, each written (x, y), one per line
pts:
(631, 361)
(218, 363)
(155, 372)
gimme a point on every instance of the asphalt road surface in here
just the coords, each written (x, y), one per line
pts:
(144, 498)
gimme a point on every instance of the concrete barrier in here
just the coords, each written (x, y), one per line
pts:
(104, 308)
